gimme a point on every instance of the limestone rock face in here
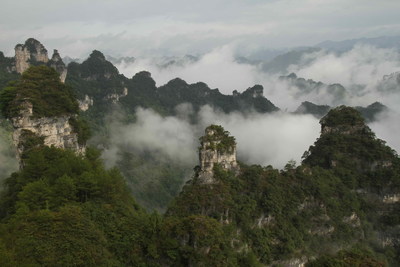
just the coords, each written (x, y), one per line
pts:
(115, 97)
(217, 147)
(57, 64)
(31, 51)
(86, 103)
(34, 53)
(56, 131)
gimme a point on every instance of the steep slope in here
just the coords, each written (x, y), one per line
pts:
(6, 73)
(101, 90)
(63, 209)
(343, 196)
(43, 110)
(67, 210)
(97, 79)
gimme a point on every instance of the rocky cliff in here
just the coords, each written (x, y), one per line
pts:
(54, 131)
(32, 52)
(57, 64)
(43, 111)
(217, 147)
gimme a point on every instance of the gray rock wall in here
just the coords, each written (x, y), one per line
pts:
(56, 131)
(209, 156)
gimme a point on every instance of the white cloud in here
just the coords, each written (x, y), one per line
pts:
(271, 139)
(218, 69)
(364, 65)
(152, 26)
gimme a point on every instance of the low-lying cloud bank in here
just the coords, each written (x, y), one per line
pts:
(265, 139)
(363, 65)
(359, 70)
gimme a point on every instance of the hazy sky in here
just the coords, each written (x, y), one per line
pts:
(166, 27)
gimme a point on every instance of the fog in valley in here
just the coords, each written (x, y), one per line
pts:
(265, 139)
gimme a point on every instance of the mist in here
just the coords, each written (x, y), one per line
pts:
(359, 70)
(169, 138)
(217, 68)
(265, 139)
(363, 65)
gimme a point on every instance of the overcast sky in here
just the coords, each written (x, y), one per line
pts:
(178, 27)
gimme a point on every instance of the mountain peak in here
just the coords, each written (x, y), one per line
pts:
(30, 52)
(347, 142)
(33, 46)
(216, 147)
(97, 54)
(255, 91)
(344, 120)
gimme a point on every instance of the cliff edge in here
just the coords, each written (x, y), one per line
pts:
(216, 147)
(43, 111)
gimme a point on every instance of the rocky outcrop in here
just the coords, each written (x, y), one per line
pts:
(296, 262)
(97, 68)
(343, 120)
(115, 97)
(86, 103)
(391, 199)
(57, 64)
(217, 147)
(32, 52)
(55, 131)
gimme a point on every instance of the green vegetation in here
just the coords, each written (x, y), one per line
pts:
(354, 153)
(219, 139)
(353, 258)
(153, 181)
(308, 210)
(7, 149)
(81, 127)
(342, 115)
(5, 71)
(41, 87)
(29, 141)
(65, 210)
(98, 79)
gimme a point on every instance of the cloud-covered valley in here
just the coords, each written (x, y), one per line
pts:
(263, 138)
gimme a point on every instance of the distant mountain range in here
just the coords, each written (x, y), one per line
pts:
(388, 42)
